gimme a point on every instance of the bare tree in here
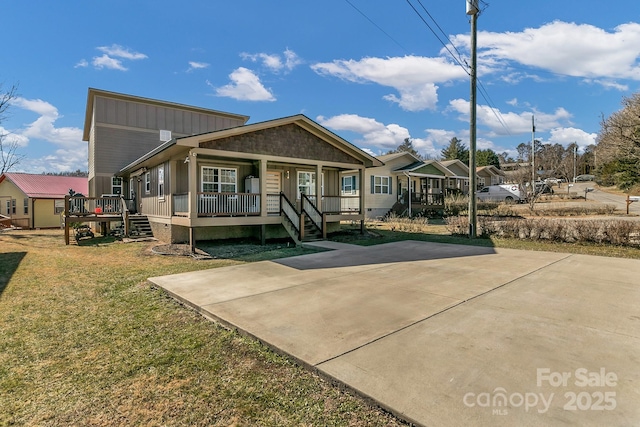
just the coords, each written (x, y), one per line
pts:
(9, 156)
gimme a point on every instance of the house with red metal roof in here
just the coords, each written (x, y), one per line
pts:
(37, 201)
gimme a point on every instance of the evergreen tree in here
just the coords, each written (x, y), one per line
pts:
(455, 150)
(487, 157)
(407, 146)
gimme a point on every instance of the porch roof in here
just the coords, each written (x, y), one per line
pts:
(300, 120)
(430, 168)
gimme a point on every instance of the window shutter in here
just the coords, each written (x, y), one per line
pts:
(373, 184)
(390, 185)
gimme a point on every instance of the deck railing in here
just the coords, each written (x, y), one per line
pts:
(273, 204)
(425, 199)
(94, 205)
(211, 204)
(338, 204)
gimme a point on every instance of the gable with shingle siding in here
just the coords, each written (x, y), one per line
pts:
(284, 141)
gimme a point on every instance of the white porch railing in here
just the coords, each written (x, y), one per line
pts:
(228, 204)
(338, 204)
(273, 204)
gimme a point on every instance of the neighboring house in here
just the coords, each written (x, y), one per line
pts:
(406, 184)
(460, 178)
(489, 175)
(227, 179)
(36, 201)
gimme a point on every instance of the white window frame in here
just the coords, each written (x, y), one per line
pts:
(116, 185)
(349, 185)
(311, 185)
(161, 182)
(147, 182)
(220, 181)
(9, 207)
(381, 184)
(58, 206)
(26, 206)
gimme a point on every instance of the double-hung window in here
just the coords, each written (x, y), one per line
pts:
(147, 183)
(349, 185)
(306, 184)
(116, 185)
(161, 181)
(380, 185)
(26, 205)
(219, 180)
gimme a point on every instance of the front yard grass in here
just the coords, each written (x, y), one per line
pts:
(86, 341)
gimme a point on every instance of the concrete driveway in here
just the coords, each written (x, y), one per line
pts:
(447, 335)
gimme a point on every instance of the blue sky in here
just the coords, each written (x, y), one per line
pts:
(369, 70)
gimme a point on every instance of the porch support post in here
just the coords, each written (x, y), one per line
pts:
(193, 187)
(263, 188)
(193, 198)
(319, 187)
(263, 234)
(66, 219)
(361, 192)
(361, 195)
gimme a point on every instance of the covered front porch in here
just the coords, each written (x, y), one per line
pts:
(281, 174)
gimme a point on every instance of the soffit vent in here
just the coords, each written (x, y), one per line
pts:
(165, 135)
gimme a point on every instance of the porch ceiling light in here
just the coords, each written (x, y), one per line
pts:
(186, 159)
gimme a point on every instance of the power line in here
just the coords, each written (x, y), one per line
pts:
(438, 37)
(376, 25)
(458, 59)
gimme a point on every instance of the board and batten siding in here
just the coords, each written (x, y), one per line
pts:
(152, 204)
(145, 116)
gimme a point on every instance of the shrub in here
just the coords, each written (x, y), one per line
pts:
(614, 232)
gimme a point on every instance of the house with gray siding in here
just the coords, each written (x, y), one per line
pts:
(199, 174)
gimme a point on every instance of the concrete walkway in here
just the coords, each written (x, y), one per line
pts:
(447, 335)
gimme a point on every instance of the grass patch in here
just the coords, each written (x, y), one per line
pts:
(86, 341)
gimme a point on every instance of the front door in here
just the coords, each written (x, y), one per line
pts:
(274, 187)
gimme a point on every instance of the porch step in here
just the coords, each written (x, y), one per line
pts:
(139, 226)
(290, 230)
(311, 232)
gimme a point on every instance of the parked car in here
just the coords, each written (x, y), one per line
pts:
(583, 178)
(501, 193)
(543, 188)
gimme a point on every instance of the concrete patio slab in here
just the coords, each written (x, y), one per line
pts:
(438, 334)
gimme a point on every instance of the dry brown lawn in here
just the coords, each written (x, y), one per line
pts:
(84, 340)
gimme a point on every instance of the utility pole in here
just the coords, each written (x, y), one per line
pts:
(575, 155)
(533, 154)
(472, 9)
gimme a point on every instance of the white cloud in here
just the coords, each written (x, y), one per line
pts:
(570, 135)
(112, 58)
(105, 61)
(374, 133)
(44, 126)
(83, 63)
(275, 62)
(414, 77)
(578, 50)
(245, 86)
(121, 52)
(514, 123)
(193, 65)
(71, 153)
